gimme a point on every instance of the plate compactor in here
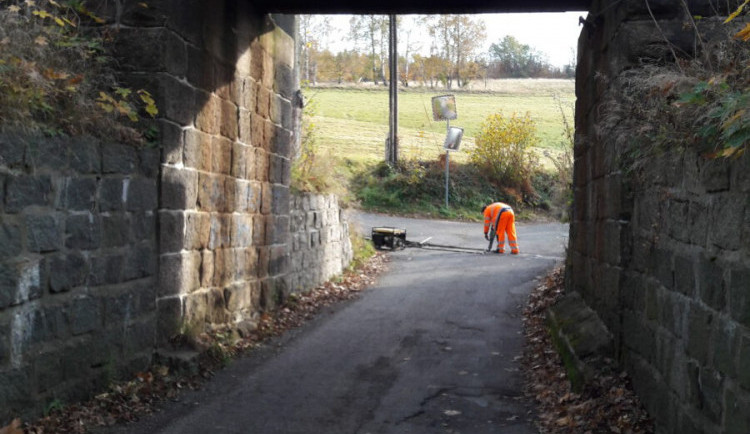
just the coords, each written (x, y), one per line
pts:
(390, 238)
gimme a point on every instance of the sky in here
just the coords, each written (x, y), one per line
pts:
(554, 34)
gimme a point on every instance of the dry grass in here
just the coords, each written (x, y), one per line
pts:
(52, 75)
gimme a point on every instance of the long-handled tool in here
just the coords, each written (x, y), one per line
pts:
(389, 238)
(493, 229)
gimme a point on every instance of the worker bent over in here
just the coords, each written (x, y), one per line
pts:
(500, 216)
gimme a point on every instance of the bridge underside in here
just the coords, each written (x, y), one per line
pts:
(420, 6)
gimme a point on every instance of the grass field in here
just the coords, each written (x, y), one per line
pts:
(353, 122)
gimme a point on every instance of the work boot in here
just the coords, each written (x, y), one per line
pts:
(499, 251)
(514, 252)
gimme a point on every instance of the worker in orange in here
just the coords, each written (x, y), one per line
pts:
(500, 216)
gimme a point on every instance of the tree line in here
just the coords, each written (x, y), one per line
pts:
(453, 58)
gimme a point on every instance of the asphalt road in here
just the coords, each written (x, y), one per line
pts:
(431, 348)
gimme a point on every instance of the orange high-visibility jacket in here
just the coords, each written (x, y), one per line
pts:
(501, 215)
(491, 213)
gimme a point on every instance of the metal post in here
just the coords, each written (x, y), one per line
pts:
(392, 153)
(447, 166)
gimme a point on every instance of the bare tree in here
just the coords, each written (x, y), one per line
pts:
(313, 31)
(408, 26)
(372, 31)
(456, 39)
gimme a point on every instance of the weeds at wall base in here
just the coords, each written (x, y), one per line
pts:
(132, 400)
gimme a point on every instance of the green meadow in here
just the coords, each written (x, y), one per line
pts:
(352, 123)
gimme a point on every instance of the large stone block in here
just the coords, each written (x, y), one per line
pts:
(177, 100)
(172, 231)
(229, 119)
(698, 222)
(245, 126)
(210, 192)
(21, 280)
(737, 419)
(712, 285)
(684, 274)
(197, 230)
(179, 188)
(120, 159)
(172, 140)
(257, 130)
(268, 64)
(739, 295)
(85, 315)
(256, 61)
(150, 160)
(220, 231)
(711, 393)
(248, 98)
(48, 153)
(143, 226)
(43, 233)
(701, 322)
(208, 119)
(727, 212)
(254, 197)
(264, 258)
(11, 238)
(207, 268)
(263, 103)
(155, 49)
(106, 269)
(221, 155)
(115, 230)
(726, 348)
(282, 143)
(242, 230)
(4, 344)
(196, 309)
(284, 82)
(280, 200)
(277, 230)
(200, 71)
(216, 307)
(15, 395)
(169, 318)
(77, 194)
(67, 271)
(83, 231)
(13, 149)
(142, 195)
(714, 174)
(85, 157)
(197, 152)
(24, 191)
(112, 193)
(140, 262)
(179, 273)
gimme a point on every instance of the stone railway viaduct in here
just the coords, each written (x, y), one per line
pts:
(107, 250)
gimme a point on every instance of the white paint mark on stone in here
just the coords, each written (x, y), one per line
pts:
(28, 279)
(21, 329)
(125, 186)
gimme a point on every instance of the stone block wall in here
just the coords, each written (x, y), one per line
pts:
(224, 77)
(320, 246)
(662, 253)
(107, 250)
(78, 255)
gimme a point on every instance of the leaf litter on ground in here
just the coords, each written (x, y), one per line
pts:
(130, 400)
(605, 405)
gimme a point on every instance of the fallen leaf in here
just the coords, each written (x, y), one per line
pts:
(13, 428)
(41, 40)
